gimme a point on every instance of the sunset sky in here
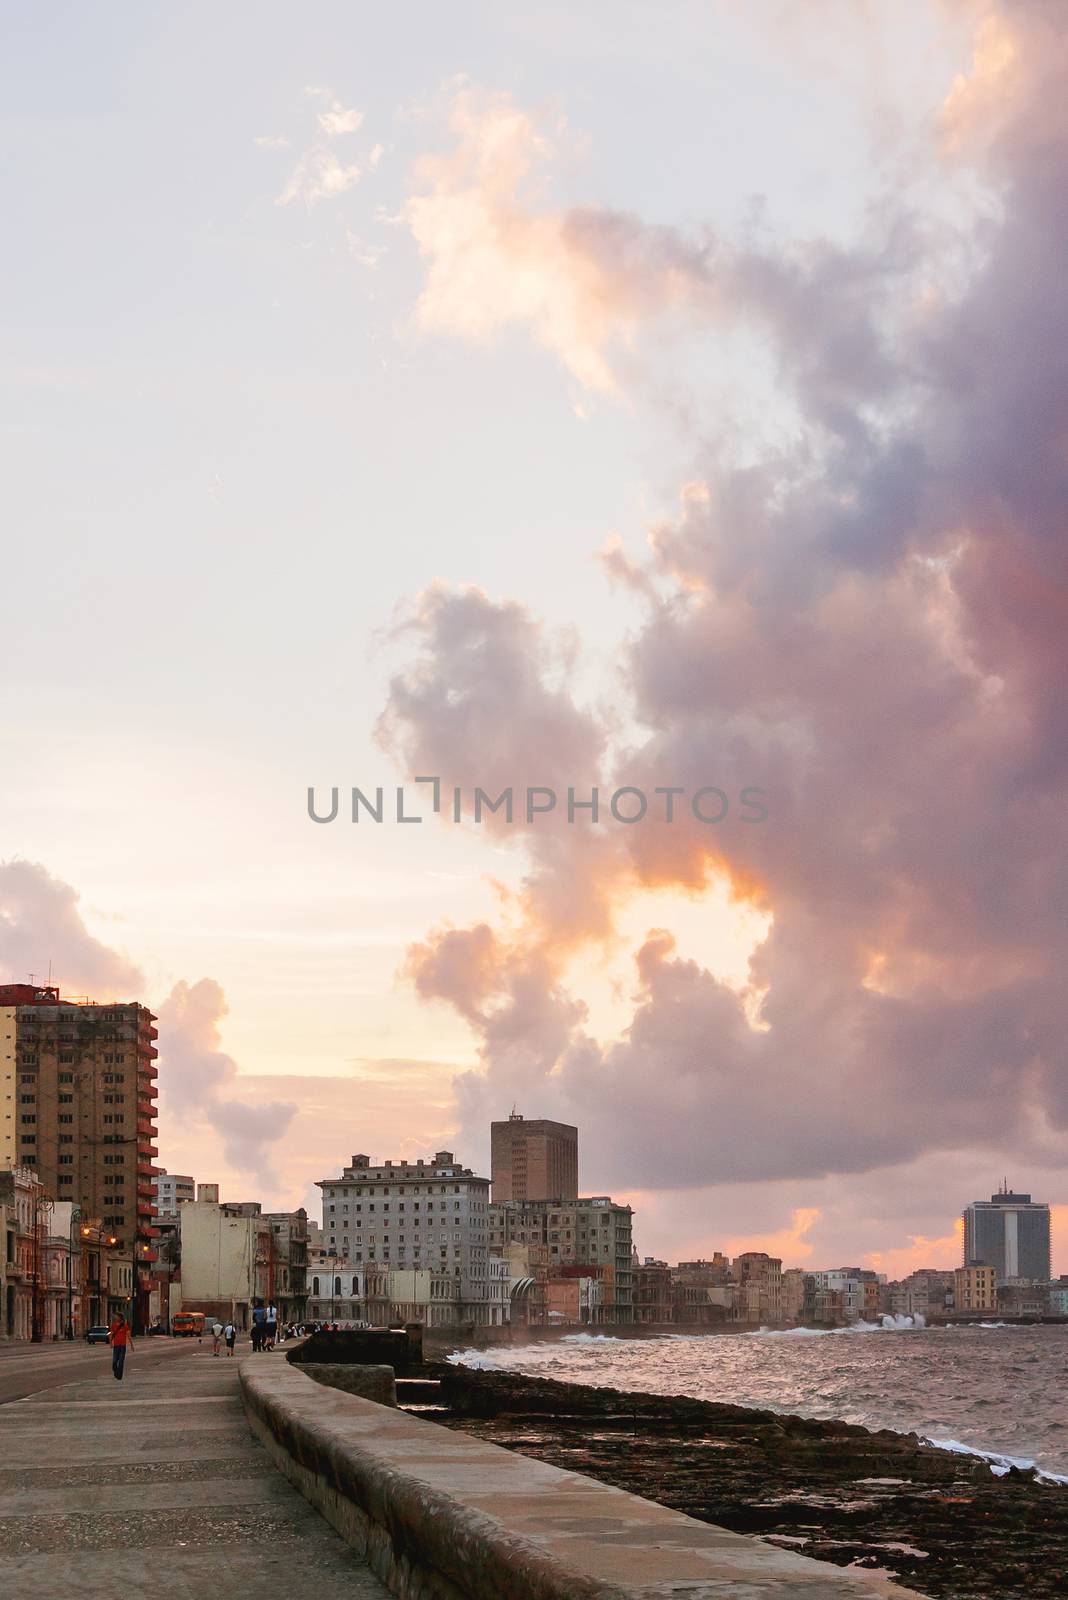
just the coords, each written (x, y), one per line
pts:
(652, 394)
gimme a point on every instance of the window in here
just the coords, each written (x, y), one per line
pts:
(28, 1118)
(66, 1161)
(66, 1057)
(66, 1099)
(66, 1077)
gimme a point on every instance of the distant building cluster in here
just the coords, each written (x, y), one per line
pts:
(90, 1225)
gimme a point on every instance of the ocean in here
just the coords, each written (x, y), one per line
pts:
(994, 1390)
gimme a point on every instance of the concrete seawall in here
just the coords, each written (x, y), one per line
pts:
(442, 1516)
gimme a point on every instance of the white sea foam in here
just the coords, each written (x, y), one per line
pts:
(887, 1324)
(999, 1464)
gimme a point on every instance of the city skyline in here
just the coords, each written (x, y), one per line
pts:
(546, 401)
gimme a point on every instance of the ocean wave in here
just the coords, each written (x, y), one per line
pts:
(999, 1463)
(887, 1324)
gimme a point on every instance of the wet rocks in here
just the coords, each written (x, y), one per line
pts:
(943, 1523)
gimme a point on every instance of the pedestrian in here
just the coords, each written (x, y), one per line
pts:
(230, 1335)
(259, 1325)
(119, 1340)
(272, 1325)
(216, 1335)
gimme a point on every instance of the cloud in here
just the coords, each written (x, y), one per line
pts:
(197, 1079)
(587, 280)
(40, 923)
(871, 624)
(340, 119)
(320, 174)
(41, 927)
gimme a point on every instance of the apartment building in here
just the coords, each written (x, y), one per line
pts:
(79, 1081)
(535, 1160)
(172, 1191)
(654, 1292)
(757, 1279)
(975, 1288)
(284, 1237)
(590, 1232)
(427, 1215)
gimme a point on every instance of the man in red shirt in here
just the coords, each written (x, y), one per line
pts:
(119, 1340)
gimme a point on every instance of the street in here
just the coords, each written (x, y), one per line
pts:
(26, 1369)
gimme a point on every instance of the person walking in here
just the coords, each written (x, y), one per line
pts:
(259, 1325)
(119, 1340)
(272, 1325)
(216, 1336)
(230, 1335)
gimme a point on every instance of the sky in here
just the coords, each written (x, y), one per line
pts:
(660, 396)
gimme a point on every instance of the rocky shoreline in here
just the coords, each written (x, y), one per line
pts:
(942, 1523)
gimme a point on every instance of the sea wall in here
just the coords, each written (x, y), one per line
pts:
(443, 1516)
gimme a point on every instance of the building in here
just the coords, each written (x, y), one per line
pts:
(336, 1294)
(1058, 1297)
(975, 1288)
(286, 1237)
(22, 1200)
(798, 1297)
(844, 1295)
(527, 1269)
(82, 1112)
(414, 1216)
(9, 1145)
(172, 1191)
(925, 1293)
(653, 1292)
(758, 1288)
(703, 1291)
(590, 1232)
(574, 1296)
(535, 1160)
(1011, 1233)
(224, 1256)
(1024, 1298)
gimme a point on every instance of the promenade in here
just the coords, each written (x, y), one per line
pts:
(154, 1486)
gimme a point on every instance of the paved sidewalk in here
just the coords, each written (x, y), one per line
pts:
(156, 1487)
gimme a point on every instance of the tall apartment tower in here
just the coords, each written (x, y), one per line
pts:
(82, 1110)
(1011, 1233)
(533, 1160)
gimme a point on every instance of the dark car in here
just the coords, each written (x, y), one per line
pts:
(97, 1335)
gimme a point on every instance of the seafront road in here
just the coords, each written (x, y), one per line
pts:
(154, 1486)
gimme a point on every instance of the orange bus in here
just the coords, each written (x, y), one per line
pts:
(187, 1324)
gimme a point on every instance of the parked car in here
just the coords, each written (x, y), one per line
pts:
(97, 1335)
